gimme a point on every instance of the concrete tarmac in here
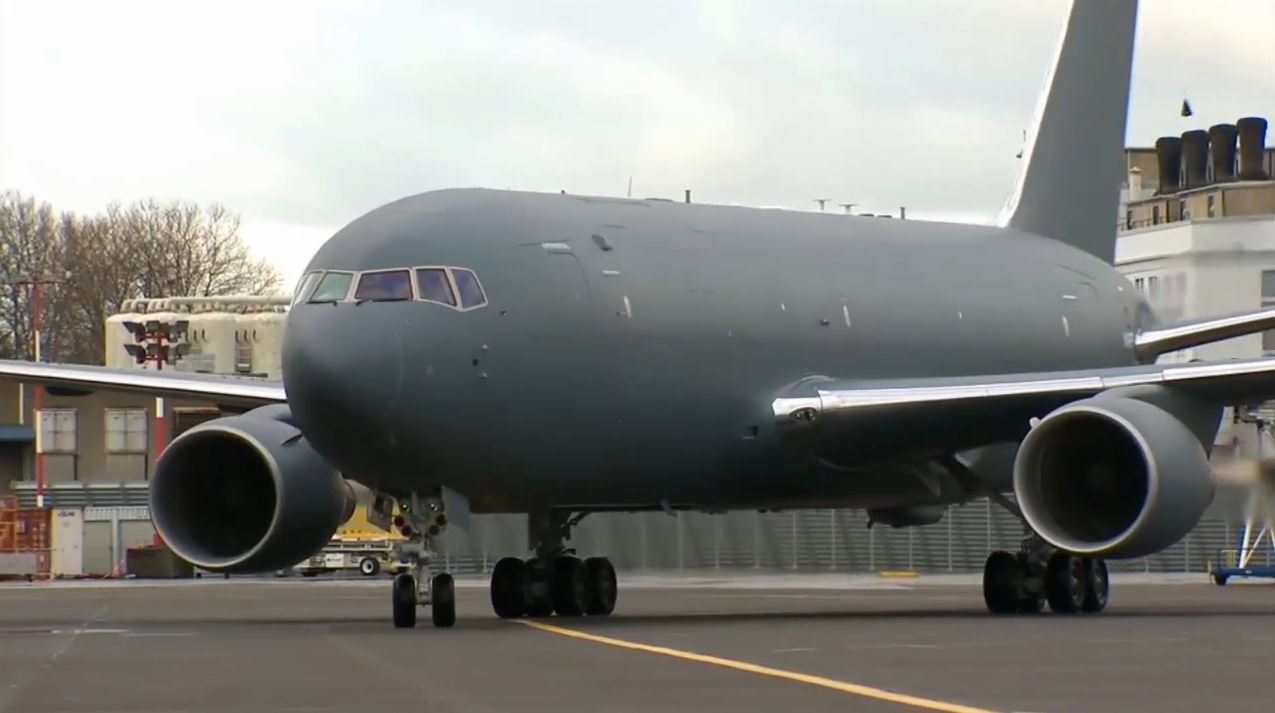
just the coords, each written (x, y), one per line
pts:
(711, 644)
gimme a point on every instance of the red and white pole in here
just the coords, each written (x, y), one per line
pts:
(37, 400)
(159, 426)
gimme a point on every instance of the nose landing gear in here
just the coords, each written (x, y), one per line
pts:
(421, 520)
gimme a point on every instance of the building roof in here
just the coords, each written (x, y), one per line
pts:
(16, 433)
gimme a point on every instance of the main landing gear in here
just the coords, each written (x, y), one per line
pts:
(1021, 582)
(421, 520)
(554, 580)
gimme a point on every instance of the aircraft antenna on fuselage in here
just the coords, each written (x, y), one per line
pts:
(1069, 185)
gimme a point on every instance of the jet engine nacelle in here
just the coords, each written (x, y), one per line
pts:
(247, 494)
(1112, 477)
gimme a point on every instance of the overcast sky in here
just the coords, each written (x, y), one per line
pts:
(303, 115)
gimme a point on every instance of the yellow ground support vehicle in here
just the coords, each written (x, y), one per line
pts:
(357, 544)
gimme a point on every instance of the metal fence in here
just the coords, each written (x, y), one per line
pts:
(800, 540)
(803, 540)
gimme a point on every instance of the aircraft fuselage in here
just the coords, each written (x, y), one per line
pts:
(630, 350)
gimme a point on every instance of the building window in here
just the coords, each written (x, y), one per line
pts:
(1128, 220)
(1153, 288)
(57, 430)
(1212, 203)
(1182, 212)
(243, 352)
(1137, 283)
(1155, 215)
(125, 430)
(1268, 300)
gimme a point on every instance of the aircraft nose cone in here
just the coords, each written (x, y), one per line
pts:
(343, 376)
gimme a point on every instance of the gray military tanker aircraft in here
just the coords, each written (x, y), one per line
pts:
(481, 351)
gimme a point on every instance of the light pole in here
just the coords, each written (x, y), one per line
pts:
(35, 282)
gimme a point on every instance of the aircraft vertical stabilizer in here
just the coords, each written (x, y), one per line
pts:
(1070, 181)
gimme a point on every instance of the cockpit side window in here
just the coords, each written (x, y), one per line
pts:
(333, 287)
(471, 293)
(384, 286)
(306, 284)
(434, 285)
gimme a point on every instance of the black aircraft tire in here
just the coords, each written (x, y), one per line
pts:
(602, 586)
(403, 601)
(1065, 583)
(1031, 600)
(1097, 585)
(571, 590)
(1031, 604)
(507, 588)
(537, 587)
(442, 607)
(1000, 583)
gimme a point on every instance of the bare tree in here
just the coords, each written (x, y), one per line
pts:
(30, 247)
(105, 269)
(147, 249)
(188, 250)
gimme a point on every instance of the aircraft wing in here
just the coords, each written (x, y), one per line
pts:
(858, 419)
(1180, 335)
(222, 390)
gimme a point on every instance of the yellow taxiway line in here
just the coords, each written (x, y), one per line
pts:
(842, 686)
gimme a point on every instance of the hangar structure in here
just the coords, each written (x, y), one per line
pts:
(1196, 234)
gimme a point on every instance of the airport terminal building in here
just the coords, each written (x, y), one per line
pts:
(1196, 235)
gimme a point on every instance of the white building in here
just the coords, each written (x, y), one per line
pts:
(222, 335)
(1199, 240)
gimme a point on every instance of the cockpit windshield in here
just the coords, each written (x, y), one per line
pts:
(454, 287)
(434, 285)
(471, 293)
(333, 287)
(305, 286)
(384, 286)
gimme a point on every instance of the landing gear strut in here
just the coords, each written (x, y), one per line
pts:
(421, 521)
(554, 580)
(1021, 582)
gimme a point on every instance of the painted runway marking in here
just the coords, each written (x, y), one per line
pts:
(1149, 640)
(842, 686)
(793, 650)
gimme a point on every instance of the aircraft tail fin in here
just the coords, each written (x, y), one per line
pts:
(1069, 184)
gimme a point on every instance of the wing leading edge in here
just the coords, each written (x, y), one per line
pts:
(1166, 338)
(1217, 382)
(859, 420)
(225, 390)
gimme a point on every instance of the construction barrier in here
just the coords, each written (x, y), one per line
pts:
(24, 540)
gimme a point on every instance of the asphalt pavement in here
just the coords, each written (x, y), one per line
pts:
(709, 643)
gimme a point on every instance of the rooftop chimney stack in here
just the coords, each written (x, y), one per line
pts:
(1168, 150)
(1195, 158)
(1252, 130)
(1222, 152)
